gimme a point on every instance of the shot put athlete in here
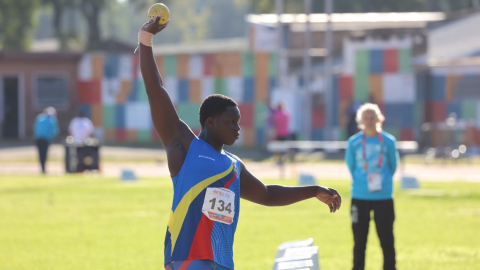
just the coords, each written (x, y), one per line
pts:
(208, 181)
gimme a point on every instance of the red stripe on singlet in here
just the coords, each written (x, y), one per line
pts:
(201, 248)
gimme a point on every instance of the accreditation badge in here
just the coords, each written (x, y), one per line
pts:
(374, 182)
(219, 205)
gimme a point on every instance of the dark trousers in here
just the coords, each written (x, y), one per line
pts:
(384, 216)
(42, 146)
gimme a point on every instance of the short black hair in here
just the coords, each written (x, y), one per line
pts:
(214, 105)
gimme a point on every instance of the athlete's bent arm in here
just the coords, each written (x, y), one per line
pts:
(165, 118)
(254, 190)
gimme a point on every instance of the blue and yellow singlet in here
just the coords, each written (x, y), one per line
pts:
(190, 234)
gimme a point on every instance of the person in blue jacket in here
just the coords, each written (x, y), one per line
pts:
(372, 159)
(45, 129)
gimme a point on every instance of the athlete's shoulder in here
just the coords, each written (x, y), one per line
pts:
(233, 156)
(388, 137)
(355, 137)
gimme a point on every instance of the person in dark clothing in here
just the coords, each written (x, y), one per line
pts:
(45, 129)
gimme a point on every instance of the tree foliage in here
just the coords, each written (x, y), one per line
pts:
(17, 21)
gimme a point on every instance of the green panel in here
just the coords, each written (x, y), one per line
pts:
(469, 110)
(261, 110)
(248, 64)
(273, 64)
(144, 135)
(394, 131)
(188, 112)
(170, 65)
(109, 116)
(220, 86)
(419, 114)
(362, 84)
(362, 64)
(405, 60)
(141, 91)
(343, 134)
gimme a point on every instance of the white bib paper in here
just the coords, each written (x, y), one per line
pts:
(219, 205)
(374, 182)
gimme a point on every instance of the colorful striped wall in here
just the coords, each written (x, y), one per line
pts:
(112, 93)
(377, 72)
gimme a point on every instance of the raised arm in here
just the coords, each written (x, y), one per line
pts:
(254, 190)
(174, 133)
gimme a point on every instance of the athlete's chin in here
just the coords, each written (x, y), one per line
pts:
(232, 142)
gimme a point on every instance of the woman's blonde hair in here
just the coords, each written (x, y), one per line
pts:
(370, 107)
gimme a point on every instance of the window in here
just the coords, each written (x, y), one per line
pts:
(51, 90)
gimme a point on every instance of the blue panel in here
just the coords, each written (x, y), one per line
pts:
(335, 101)
(399, 115)
(260, 136)
(273, 83)
(183, 90)
(301, 82)
(119, 116)
(111, 66)
(87, 110)
(317, 134)
(376, 61)
(248, 89)
(422, 79)
(133, 93)
(455, 107)
(438, 88)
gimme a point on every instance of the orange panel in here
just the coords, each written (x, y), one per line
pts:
(159, 61)
(97, 115)
(450, 87)
(248, 136)
(232, 64)
(109, 135)
(125, 88)
(342, 112)
(376, 88)
(97, 66)
(132, 135)
(261, 77)
(195, 90)
(182, 65)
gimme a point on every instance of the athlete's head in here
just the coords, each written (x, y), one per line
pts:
(220, 116)
(369, 116)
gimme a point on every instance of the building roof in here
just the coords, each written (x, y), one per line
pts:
(43, 57)
(351, 21)
(207, 46)
(455, 38)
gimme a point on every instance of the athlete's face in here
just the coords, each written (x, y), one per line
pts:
(227, 128)
(369, 119)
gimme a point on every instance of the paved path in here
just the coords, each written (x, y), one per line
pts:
(321, 170)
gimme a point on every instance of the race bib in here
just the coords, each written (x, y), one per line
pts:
(219, 205)
(374, 182)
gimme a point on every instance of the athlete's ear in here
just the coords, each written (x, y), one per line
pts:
(210, 122)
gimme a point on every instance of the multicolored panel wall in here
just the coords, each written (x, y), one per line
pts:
(112, 92)
(380, 72)
(455, 90)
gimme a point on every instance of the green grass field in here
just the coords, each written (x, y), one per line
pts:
(87, 222)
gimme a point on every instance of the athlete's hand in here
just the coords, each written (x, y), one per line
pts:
(330, 197)
(153, 26)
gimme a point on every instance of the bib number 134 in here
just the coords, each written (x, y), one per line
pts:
(219, 205)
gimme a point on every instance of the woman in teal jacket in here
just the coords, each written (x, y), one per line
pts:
(372, 159)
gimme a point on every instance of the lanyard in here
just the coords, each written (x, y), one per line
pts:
(364, 146)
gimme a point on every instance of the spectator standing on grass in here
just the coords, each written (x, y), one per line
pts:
(80, 128)
(45, 129)
(372, 158)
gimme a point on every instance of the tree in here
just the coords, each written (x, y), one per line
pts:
(59, 7)
(17, 22)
